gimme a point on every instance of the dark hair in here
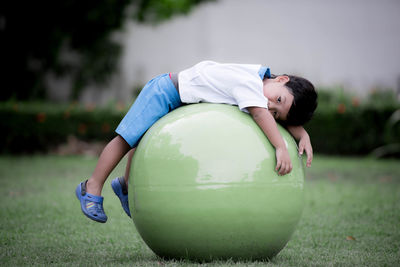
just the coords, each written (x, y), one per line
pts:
(304, 102)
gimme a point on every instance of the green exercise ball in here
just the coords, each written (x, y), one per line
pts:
(203, 187)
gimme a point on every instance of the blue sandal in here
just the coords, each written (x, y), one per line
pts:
(91, 205)
(121, 190)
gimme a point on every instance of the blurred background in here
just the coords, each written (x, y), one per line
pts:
(72, 69)
(354, 44)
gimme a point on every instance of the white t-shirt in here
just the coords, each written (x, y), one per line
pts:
(234, 84)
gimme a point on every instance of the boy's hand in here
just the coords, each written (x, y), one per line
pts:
(268, 125)
(305, 145)
(283, 162)
(302, 136)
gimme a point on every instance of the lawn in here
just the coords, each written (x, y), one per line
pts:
(351, 217)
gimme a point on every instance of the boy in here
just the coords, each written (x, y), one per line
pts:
(289, 99)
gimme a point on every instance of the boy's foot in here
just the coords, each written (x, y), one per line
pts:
(91, 205)
(121, 190)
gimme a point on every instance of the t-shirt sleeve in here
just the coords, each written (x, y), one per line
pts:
(250, 95)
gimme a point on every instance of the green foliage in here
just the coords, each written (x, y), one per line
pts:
(345, 124)
(68, 37)
(342, 124)
(159, 10)
(38, 127)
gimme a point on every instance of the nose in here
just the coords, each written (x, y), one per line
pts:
(271, 105)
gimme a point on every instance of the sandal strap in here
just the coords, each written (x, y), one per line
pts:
(123, 185)
(93, 198)
(83, 188)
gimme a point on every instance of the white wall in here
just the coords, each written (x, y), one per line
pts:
(353, 43)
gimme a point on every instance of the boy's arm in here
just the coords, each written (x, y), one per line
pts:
(301, 135)
(268, 125)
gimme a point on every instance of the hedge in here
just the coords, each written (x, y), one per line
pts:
(28, 128)
(338, 127)
(349, 125)
(354, 132)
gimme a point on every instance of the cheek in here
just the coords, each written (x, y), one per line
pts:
(272, 112)
(285, 111)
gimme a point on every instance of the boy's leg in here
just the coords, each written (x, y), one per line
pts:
(161, 95)
(120, 185)
(128, 165)
(89, 192)
(112, 154)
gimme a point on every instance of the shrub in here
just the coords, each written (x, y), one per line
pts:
(342, 124)
(38, 127)
(345, 124)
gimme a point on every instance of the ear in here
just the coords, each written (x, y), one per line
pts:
(283, 78)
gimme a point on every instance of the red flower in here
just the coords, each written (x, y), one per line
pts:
(341, 108)
(41, 117)
(67, 114)
(105, 128)
(82, 128)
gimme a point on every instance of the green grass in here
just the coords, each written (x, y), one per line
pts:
(41, 222)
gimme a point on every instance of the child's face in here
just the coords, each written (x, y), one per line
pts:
(279, 98)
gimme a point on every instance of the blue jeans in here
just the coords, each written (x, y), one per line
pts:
(157, 98)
